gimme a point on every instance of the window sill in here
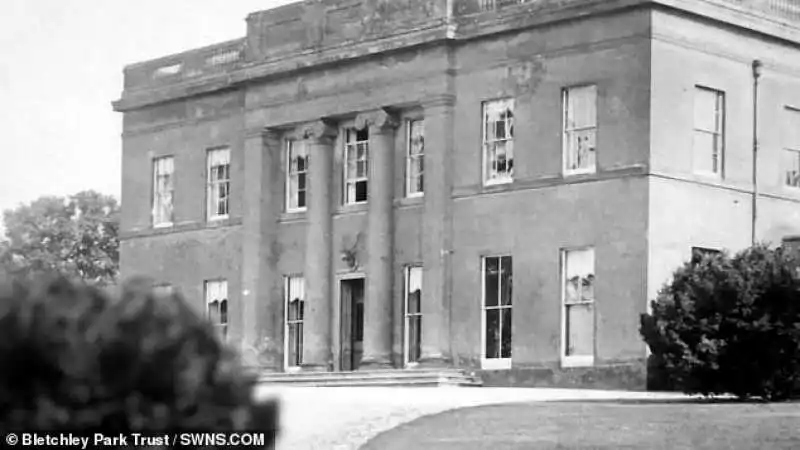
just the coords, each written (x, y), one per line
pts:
(577, 173)
(568, 362)
(160, 226)
(410, 201)
(498, 182)
(353, 208)
(293, 216)
(496, 364)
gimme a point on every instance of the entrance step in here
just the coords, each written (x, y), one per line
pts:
(382, 378)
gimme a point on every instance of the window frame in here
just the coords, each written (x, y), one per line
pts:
(496, 363)
(347, 147)
(486, 170)
(223, 327)
(289, 174)
(567, 132)
(412, 158)
(568, 361)
(407, 316)
(791, 148)
(156, 198)
(212, 185)
(719, 135)
(287, 323)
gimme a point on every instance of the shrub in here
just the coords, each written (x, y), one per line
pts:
(73, 357)
(729, 325)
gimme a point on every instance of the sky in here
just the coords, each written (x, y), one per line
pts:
(61, 68)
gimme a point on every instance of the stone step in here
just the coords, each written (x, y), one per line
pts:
(374, 378)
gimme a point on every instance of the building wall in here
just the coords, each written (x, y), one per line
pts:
(193, 250)
(687, 210)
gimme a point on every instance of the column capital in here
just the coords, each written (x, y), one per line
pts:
(318, 130)
(378, 121)
(443, 100)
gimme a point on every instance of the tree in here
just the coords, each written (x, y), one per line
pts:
(75, 357)
(730, 325)
(75, 236)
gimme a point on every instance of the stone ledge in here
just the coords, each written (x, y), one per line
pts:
(180, 228)
(618, 376)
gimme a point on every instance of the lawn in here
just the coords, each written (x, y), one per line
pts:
(601, 425)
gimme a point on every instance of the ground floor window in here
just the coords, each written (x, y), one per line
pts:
(497, 303)
(579, 307)
(216, 292)
(413, 314)
(295, 303)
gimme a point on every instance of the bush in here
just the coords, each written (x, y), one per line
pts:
(729, 325)
(73, 357)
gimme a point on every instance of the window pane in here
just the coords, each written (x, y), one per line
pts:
(581, 107)
(703, 152)
(361, 191)
(506, 279)
(492, 333)
(295, 341)
(492, 281)
(705, 110)
(362, 135)
(414, 275)
(580, 330)
(414, 338)
(581, 149)
(505, 349)
(223, 312)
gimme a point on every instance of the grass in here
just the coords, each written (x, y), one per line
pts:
(601, 425)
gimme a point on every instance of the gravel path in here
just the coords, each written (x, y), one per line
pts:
(346, 418)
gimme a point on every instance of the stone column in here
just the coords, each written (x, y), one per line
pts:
(261, 206)
(380, 240)
(439, 141)
(318, 137)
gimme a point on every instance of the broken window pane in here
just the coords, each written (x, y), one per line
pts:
(218, 182)
(498, 137)
(579, 297)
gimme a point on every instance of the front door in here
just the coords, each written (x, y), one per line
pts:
(352, 303)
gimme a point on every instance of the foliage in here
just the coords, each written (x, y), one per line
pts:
(75, 236)
(73, 357)
(730, 325)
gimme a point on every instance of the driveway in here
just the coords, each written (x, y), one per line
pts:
(345, 418)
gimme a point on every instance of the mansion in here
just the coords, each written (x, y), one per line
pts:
(490, 185)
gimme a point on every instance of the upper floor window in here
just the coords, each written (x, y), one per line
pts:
(356, 171)
(709, 127)
(791, 151)
(217, 305)
(296, 175)
(163, 190)
(498, 141)
(580, 130)
(415, 158)
(219, 183)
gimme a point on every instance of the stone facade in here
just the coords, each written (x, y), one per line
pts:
(310, 71)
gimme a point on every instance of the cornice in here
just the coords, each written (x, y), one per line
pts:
(459, 29)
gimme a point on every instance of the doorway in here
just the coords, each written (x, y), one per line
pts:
(352, 323)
